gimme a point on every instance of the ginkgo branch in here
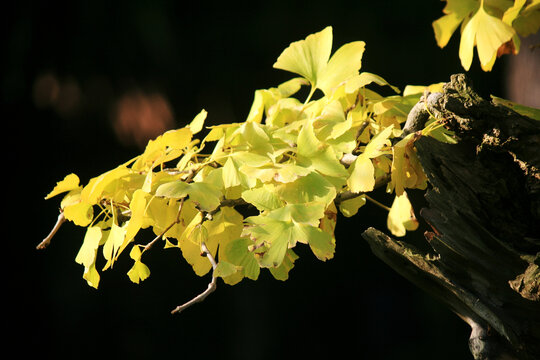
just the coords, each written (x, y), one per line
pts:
(176, 221)
(211, 286)
(43, 244)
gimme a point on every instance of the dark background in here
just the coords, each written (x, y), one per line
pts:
(193, 56)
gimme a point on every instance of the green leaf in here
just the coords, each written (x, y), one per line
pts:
(320, 242)
(225, 269)
(308, 145)
(307, 213)
(174, 190)
(264, 198)
(350, 207)
(282, 271)
(332, 122)
(306, 189)
(237, 252)
(307, 57)
(206, 196)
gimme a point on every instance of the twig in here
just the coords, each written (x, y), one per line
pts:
(211, 286)
(43, 244)
(176, 221)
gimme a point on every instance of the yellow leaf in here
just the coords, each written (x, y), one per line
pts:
(70, 182)
(91, 276)
(307, 57)
(137, 207)
(93, 191)
(401, 216)
(362, 177)
(350, 207)
(419, 89)
(344, 64)
(139, 271)
(257, 108)
(488, 33)
(80, 213)
(197, 123)
(87, 253)
(375, 145)
(113, 244)
(456, 11)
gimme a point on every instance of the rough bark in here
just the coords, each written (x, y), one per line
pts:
(484, 210)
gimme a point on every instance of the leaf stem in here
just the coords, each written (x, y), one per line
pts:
(311, 92)
(377, 203)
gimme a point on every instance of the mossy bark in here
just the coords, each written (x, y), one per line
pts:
(484, 210)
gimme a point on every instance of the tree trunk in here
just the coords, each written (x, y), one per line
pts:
(484, 210)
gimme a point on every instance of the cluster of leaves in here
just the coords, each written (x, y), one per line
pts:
(493, 26)
(295, 163)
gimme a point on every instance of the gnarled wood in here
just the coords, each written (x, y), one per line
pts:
(484, 207)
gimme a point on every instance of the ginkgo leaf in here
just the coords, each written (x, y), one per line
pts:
(263, 198)
(113, 243)
(139, 271)
(206, 196)
(401, 216)
(456, 11)
(343, 64)
(93, 191)
(306, 189)
(80, 213)
(307, 57)
(362, 177)
(488, 33)
(174, 189)
(91, 275)
(350, 207)
(528, 21)
(237, 252)
(375, 145)
(197, 123)
(282, 271)
(332, 123)
(225, 269)
(365, 78)
(70, 182)
(137, 208)
(320, 242)
(87, 253)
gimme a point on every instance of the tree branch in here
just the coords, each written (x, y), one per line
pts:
(43, 244)
(484, 209)
(211, 286)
